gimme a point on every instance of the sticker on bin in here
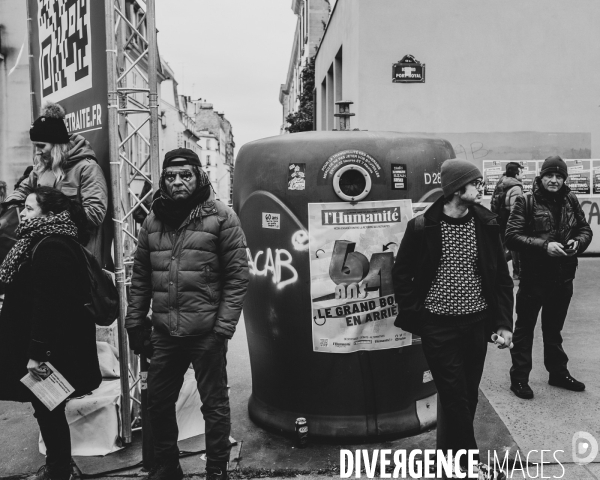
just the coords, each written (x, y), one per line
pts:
(427, 376)
(271, 220)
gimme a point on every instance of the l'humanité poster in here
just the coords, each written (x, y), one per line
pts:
(352, 251)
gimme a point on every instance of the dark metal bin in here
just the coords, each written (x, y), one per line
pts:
(363, 394)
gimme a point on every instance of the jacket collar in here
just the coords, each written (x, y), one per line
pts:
(481, 214)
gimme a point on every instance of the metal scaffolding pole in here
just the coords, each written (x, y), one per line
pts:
(132, 56)
(115, 180)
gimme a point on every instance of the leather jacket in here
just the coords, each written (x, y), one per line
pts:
(530, 236)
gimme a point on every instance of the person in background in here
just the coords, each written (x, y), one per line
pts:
(68, 163)
(43, 318)
(453, 289)
(549, 230)
(508, 188)
(191, 265)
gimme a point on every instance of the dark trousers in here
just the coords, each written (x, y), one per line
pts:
(171, 358)
(455, 355)
(57, 438)
(553, 298)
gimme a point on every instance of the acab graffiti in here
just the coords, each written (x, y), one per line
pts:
(278, 263)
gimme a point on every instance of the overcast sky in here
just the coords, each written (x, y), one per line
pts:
(234, 54)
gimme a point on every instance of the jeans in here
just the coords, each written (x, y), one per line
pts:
(57, 438)
(553, 298)
(455, 355)
(170, 361)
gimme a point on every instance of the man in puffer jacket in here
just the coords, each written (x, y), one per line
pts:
(549, 230)
(191, 264)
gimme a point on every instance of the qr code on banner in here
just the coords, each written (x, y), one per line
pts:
(65, 48)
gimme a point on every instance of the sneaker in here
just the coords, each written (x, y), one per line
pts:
(216, 473)
(567, 382)
(522, 390)
(165, 471)
(489, 473)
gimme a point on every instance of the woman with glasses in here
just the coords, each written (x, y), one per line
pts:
(67, 163)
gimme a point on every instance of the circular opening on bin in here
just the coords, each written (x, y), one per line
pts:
(352, 183)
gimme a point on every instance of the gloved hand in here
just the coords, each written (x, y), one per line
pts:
(139, 341)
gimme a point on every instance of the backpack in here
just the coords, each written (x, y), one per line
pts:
(498, 198)
(102, 304)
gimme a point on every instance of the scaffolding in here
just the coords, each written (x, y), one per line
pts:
(133, 66)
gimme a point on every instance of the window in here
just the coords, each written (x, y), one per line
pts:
(208, 160)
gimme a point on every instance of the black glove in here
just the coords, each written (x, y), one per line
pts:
(139, 341)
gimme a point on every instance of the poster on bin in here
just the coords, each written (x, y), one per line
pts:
(352, 251)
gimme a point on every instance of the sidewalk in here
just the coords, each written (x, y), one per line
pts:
(503, 420)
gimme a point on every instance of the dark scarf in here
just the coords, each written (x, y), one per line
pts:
(29, 234)
(174, 212)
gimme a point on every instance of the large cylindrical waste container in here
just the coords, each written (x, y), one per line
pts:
(354, 385)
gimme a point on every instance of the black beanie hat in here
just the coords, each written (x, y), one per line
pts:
(50, 126)
(456, 174)
(554, 164)
(181, 156)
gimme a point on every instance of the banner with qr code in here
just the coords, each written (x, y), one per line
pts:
(65, 60)
(68, 48)
(352, 250)
(68, 66)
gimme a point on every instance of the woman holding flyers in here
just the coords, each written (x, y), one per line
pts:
(43, 317)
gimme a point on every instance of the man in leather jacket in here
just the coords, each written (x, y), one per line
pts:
(549, 230)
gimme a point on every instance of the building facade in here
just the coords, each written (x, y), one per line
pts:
(216, 139)
(493, 69)
(312, 20)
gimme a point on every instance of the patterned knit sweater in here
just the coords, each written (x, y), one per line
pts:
(456, 289)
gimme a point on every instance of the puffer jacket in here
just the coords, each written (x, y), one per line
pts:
(531, 236)
(195, 275)
(83, 180)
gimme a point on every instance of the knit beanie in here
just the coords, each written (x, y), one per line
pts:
(50, 126)
(181, 156)
(554, 164)
(456, 174)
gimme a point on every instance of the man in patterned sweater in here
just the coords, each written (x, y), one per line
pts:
(453, 288)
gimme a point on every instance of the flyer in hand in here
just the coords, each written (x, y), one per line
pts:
(52, 389)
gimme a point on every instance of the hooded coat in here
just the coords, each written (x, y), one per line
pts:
(83, 180)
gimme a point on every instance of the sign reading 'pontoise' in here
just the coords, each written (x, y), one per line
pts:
(408, 70)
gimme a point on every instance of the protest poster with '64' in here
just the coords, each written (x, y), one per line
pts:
(352, 252)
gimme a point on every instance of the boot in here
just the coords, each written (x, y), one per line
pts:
(216, 471)
(165, 471)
